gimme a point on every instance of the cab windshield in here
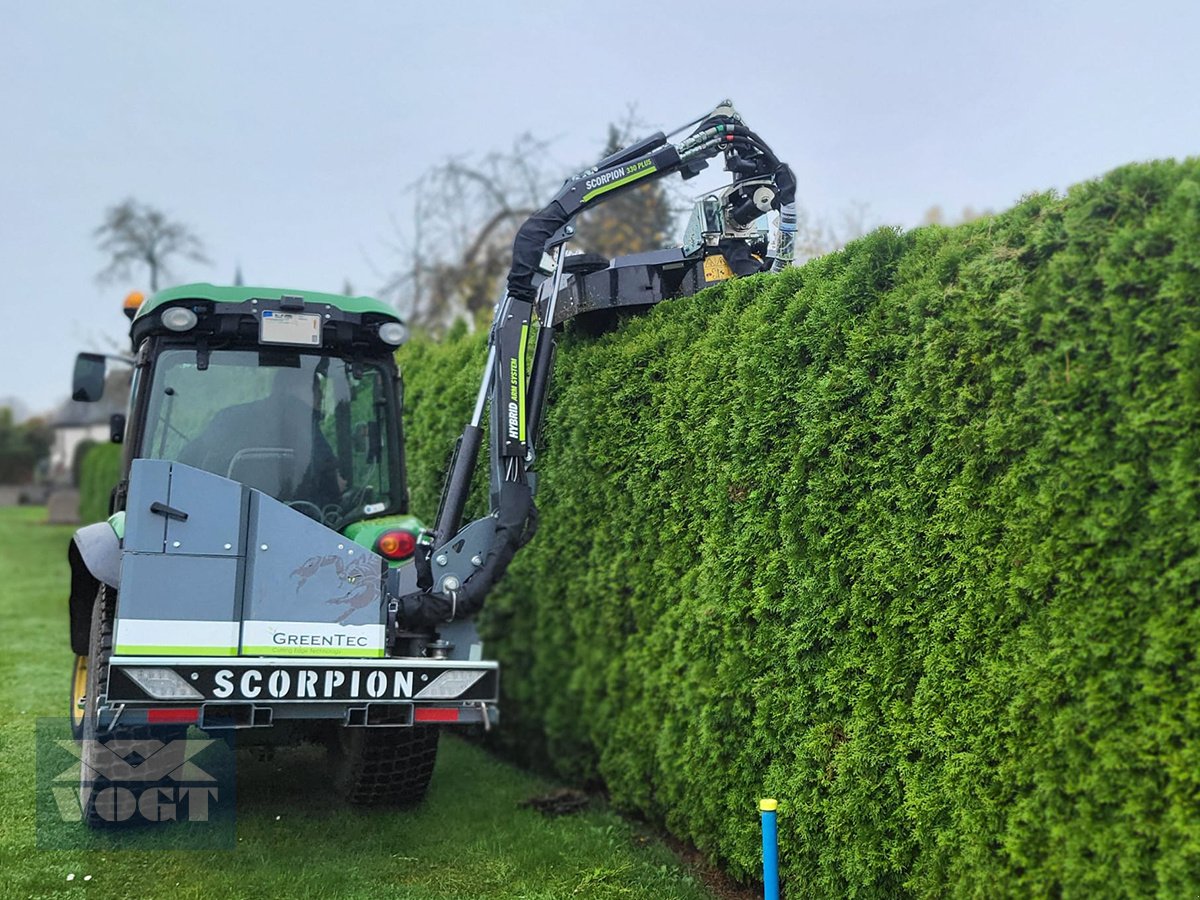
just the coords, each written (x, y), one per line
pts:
(315, 432)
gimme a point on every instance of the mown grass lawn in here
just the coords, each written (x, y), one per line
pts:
(293, 838)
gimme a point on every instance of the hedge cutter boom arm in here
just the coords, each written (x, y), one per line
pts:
(457, 566)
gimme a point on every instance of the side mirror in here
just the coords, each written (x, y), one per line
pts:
(89, 377)
(116, 428)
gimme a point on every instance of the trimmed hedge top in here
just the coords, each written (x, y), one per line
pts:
(907, 538)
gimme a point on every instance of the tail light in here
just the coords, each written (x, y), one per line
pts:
(396, 544)
(435, 714)
(173, 716)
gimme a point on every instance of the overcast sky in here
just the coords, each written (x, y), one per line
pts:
(285, 133)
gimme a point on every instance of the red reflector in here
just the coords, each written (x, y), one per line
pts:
(165, 716)
(396, 544)
(435, 714)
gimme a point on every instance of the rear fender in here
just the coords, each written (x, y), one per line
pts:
(95, 557)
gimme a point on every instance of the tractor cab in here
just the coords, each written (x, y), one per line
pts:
(311, 430)
(293, 394)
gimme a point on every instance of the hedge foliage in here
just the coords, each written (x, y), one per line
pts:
(98, 475)
(907, 538)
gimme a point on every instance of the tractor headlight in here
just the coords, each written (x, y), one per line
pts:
(393, 333)
(178, 318)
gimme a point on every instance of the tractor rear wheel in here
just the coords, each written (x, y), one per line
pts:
(79, 675)
(385, 766)
(92, 783)
(111, 802)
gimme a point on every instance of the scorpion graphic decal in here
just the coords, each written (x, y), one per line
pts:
(363, 581)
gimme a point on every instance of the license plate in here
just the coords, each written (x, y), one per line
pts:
(274, 681)
(289, 328)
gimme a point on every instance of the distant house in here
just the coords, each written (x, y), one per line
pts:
(75, 422)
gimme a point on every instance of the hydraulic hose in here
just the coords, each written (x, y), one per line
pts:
(515, 513)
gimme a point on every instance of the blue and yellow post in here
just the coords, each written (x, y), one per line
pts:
(770, 836)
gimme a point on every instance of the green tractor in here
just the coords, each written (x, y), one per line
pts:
(248, 405)
(261, 572)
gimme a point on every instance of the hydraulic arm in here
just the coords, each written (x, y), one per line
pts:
(457, 566)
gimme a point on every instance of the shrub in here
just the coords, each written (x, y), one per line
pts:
(82, 449)
(906, 538)
(98, 475)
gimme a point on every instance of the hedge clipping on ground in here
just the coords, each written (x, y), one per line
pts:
(907, 538)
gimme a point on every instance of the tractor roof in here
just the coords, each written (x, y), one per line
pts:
(243, 294)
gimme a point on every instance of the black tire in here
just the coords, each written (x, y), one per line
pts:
(102, 808)
(92, 785)
(385, 766)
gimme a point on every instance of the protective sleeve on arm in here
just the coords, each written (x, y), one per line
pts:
(515, 516)
(528, 247)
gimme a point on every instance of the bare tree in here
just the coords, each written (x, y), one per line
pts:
(816, 235)
(136, 234)
(934, 215)
(466, 212)
(465, 215)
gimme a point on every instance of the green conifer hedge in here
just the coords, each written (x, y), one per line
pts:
(907, 538)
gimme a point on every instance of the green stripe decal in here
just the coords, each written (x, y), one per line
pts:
(314, 652)
(146, 650)
(521, 383)
(649, 170)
